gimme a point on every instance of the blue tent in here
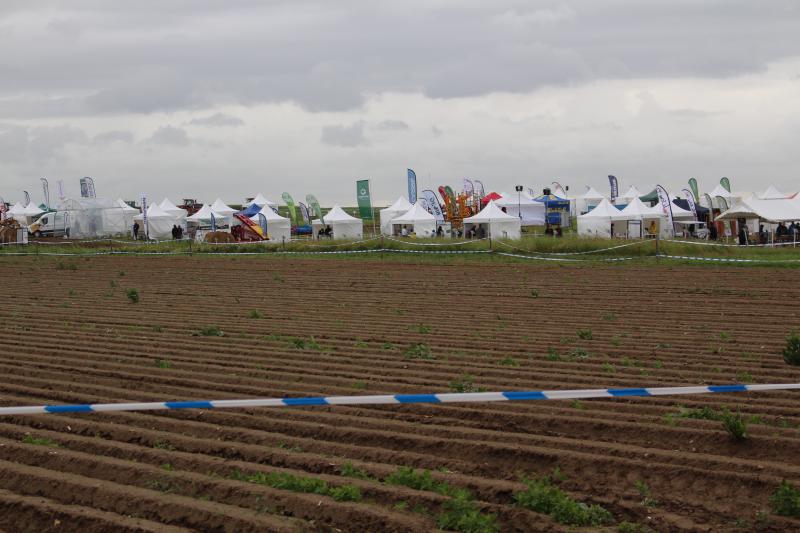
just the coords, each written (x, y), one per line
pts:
(554, 207)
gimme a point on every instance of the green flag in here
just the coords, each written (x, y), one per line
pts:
(693, 187)
(289, 201)
(726, 183)
(314, 205)
(364, 199)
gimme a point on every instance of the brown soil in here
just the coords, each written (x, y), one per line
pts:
(72, 336)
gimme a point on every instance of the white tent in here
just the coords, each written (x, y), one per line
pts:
(222, 208)
(417, 220)
(772, 194)
(343, 226)
(646, 219)
(533, 212)
(203, 216)
(588, 199)
(500, 225)
(678, 213)
(630, 194)
(780, 210)
(719, 190)
(31, 210)
(597, 222)
(16, 209)
(278, 228)
(159, 222)
(172, 209)
(128, 212)
(396, 209)
(260, 201)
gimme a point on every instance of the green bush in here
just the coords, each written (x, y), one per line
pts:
(419, 351)
(462, 514)
(734, 424)
(255, 313)
(133, 295)
(786, 500)
(585, 334)
(791, 354)
(542, 497)
(211, 331)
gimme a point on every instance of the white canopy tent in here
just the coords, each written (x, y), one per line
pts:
(778, 210)
(647, 220)
(278, 228)
(598, 221)
(343, 226)
(203, 217)
(172, 209)
(159, 222)
(771, 193)
(16, 210)
(31, 210)
(128, 212)
(719, 190)
(630, 194)
(532, 212)
(417, 220)
(398, 208)
(588, 199)
(222, 208)
(260, 201)
(678, 213)
(499, 224)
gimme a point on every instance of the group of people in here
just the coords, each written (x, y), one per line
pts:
(477, 231)
(177, 232)
(327, 231)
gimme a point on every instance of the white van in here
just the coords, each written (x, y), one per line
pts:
(52, 224)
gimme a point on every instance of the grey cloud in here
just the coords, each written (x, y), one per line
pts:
(113, 136)
(349, 136)
(145, 57)
(217, 119)
(392, 125)
(169, 135)
(41, 144)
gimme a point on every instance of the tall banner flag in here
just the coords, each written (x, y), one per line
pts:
(27, 198)
(666, 205)
(690, 201)
(723, 204)
(452, 197)
(92, 192)
(314, 204)
(213, 222)
(469, 188)
(84, 188)
(479, 189)
(262, 221)
(289, 201)
(304, 213)
(558, 190)
(726, 184)
(46, 190)
(695, 190)
(144, 215)
(364, 199)
(433, 206)
(412, 186)
(531, 192)
(61, 190)
(710, 203)
(612, 180)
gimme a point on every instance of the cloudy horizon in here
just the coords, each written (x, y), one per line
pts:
(228, 99)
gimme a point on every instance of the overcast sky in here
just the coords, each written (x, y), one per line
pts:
(206, 99)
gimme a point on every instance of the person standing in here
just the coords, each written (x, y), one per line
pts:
(135, 231)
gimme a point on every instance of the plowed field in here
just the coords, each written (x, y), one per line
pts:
(300, 327)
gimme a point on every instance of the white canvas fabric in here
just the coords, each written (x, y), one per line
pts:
(222, 208)
(501, 225)
(31, 210)
(260, 201)
(400, 206)
(203, 215)
(719, 190)
(771, 193)
(159, 221)
(779, 210)
(172, 209)
(630, 194)
(16, 209)
(597, 222)
(278, 228)
(533, 212)
(343, 226)
(418, 220)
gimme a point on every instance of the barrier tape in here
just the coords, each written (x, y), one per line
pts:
(768, 245)
(610, 259)
(456, 243)
(726, 259)
(391, 399)
(576, 253)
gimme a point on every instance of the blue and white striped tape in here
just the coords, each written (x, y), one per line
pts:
(389, 399)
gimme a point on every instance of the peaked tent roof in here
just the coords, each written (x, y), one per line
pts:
(719, 190)
(490, 213)
(31, 210)
(155, 211)
(771, 194)
(269, 214)
(260, 201)
(513, 200)
(631, 193)
(605, 209)
(416, 214)
(677, 211)
(205, 212)
(401, 204)
(169, 207)
(637, 208)
(592, 194)
(16, 209)
(337, 214)
(125, 207)
(221, 207)
(779, 210)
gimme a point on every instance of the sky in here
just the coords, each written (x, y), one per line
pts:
(210, 98)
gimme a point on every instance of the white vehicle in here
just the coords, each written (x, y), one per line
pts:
(52, 224)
